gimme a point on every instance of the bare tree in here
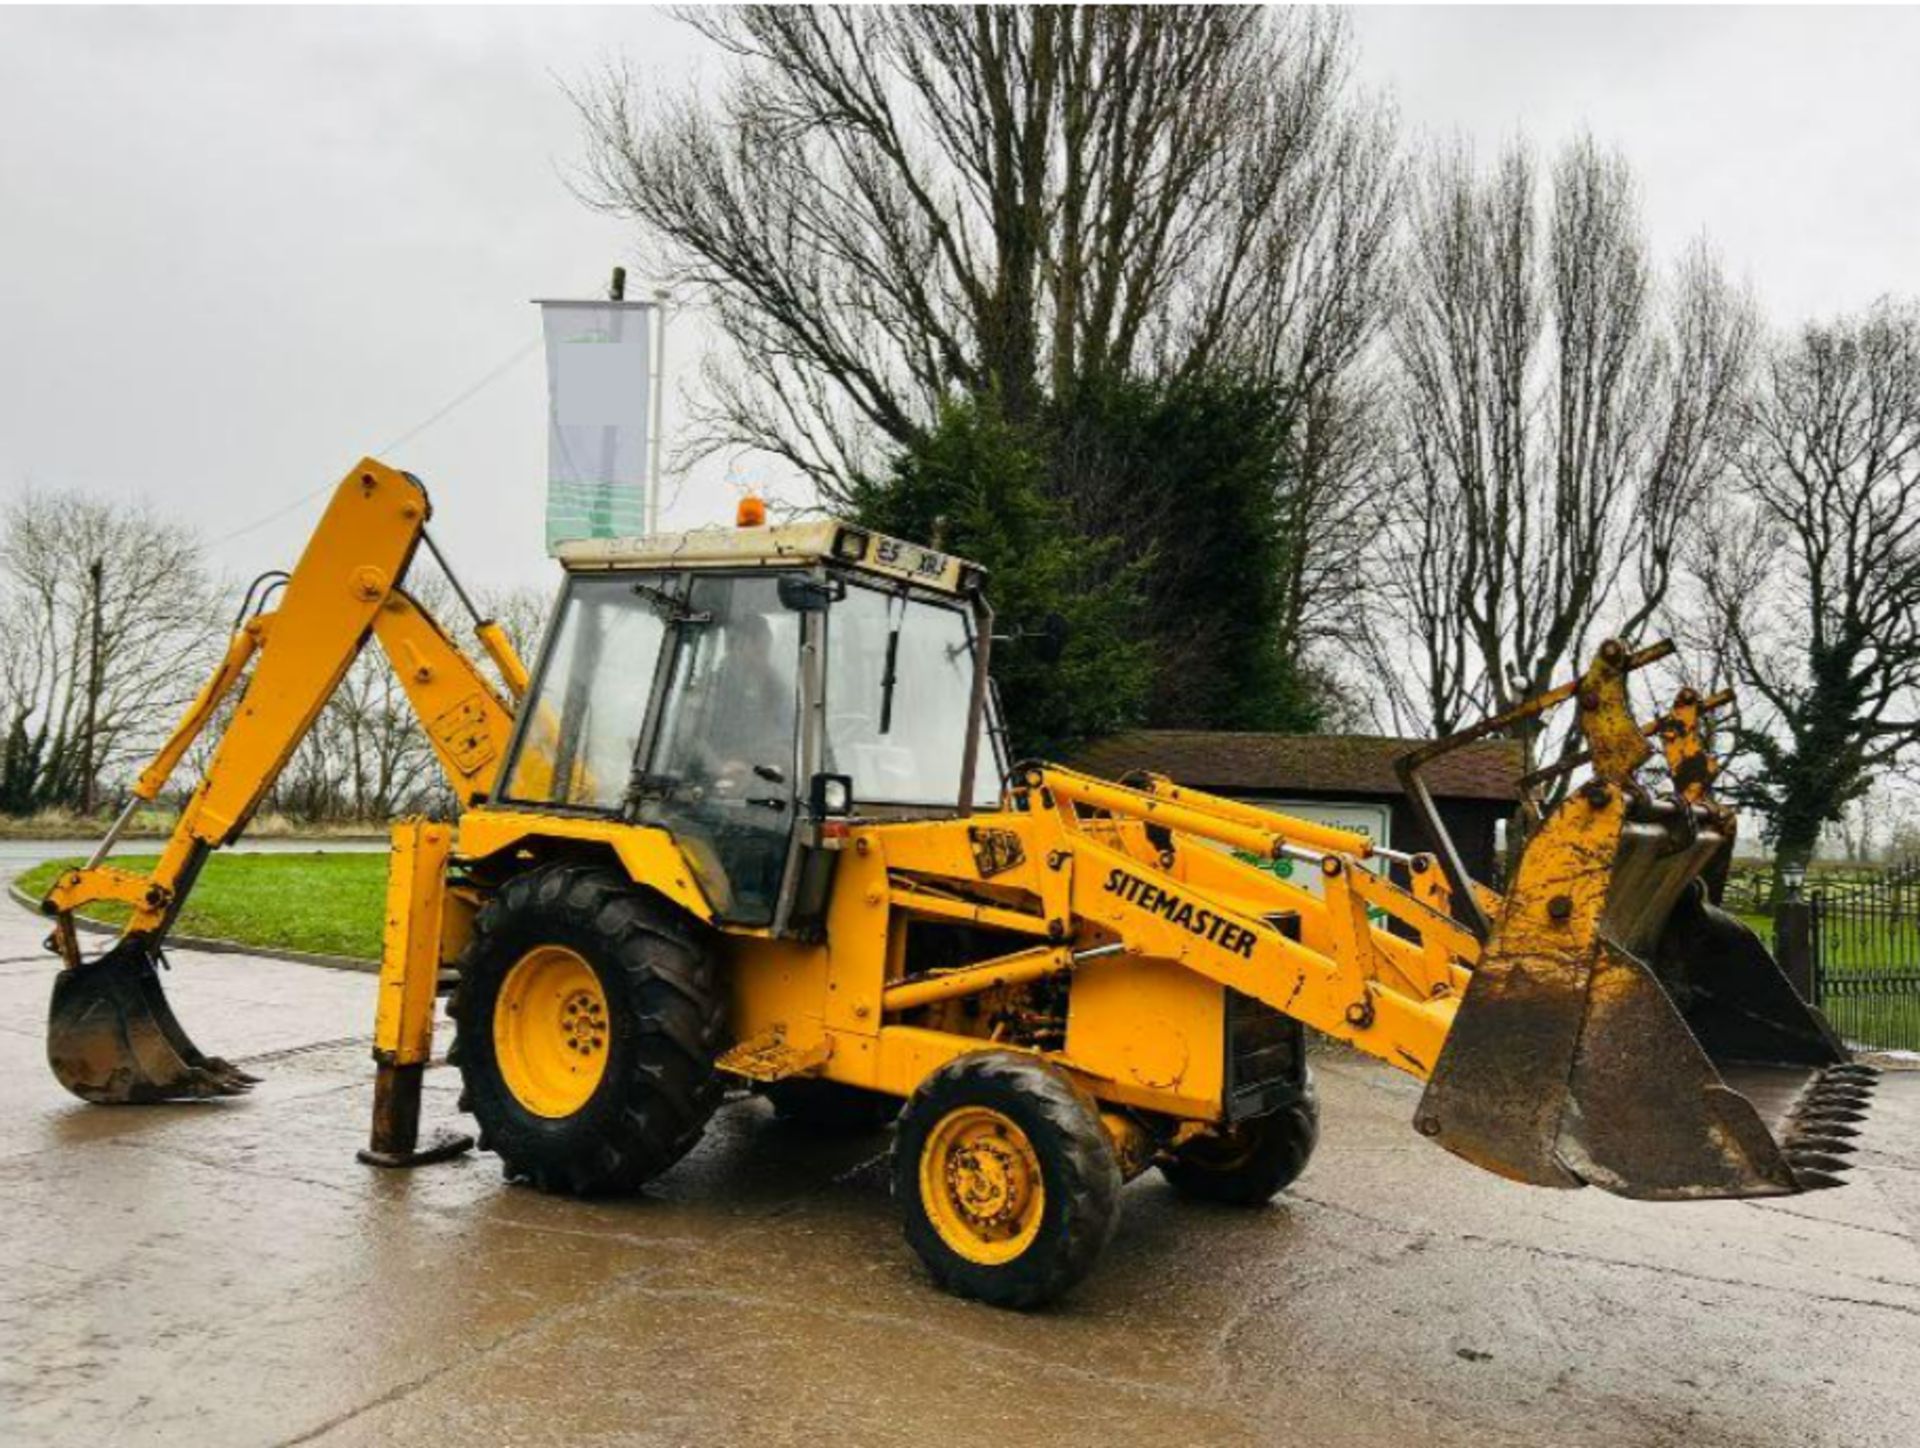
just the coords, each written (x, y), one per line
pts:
(1813, 571)
(887, 207)
(110, 616)
(1559, 426)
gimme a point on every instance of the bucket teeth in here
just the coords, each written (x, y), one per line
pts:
(222, 1067)
(1820, 1133)
(1854, 1071)
(1815, 1161)
(1856, 1104)
(1827, 1130)
(1827, 1098)
(1833, 1116)
(1819, 1141)
(113, 1038)
(1815, 1181)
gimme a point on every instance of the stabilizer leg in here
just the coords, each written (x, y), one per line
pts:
(409, 976)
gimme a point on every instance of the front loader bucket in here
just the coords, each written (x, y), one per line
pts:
(1621, 1032)
(112, 1038)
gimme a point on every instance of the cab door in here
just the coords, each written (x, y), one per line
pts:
(722, 777)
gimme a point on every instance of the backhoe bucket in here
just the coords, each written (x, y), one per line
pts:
(1622, 1032)
(112, 1038)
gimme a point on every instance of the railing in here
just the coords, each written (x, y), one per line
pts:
(1879, 1010)
(1866, 957)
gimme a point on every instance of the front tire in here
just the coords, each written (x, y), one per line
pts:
(1006, 1178)
(589, 1016)
(1252, 1161)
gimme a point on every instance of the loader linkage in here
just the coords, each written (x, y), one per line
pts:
(1621, 1030)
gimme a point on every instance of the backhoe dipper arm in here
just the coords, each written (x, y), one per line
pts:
(345, 587)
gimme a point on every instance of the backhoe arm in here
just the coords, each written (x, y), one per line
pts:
(344, 589)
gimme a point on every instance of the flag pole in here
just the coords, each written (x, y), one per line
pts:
(659, 399)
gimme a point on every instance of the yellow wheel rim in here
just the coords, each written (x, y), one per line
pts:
(981, 1185)
(550, 1031)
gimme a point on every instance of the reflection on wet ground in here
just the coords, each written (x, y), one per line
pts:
(226, 1273)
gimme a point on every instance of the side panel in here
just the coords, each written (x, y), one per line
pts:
(777, 990)
(466, 722)
(1150, 1024)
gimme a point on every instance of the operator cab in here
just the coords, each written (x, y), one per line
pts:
(743, 688)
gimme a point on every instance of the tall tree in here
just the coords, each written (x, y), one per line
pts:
(1193, 480)
(1813, 573)
(983, 486)
(1559, 424)
(1035, 210)
(888, 207)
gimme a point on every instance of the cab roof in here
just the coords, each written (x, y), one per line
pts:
(779, 545)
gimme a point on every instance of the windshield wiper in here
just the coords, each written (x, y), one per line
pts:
(669, 605)
(890, 675)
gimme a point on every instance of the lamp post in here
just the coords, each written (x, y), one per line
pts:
(1793, 878)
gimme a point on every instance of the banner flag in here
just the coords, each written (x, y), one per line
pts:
(599, 387)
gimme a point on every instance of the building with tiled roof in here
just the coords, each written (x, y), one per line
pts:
(1475, 787)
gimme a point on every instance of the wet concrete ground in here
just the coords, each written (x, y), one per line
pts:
(226, 1273)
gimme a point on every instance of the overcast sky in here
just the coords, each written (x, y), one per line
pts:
(241, 248)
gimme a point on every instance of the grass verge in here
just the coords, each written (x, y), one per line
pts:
(157, 822)
(325, 903)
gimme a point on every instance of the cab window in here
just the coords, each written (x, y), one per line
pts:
(581, 722)
(901, 742)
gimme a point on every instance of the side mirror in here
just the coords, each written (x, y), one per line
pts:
(1045, 643)
(830, 796)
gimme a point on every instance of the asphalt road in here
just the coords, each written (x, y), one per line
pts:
(227, 1274)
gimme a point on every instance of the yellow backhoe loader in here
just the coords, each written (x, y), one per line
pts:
(750, 824)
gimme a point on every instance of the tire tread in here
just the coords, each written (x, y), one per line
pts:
(626, 1136)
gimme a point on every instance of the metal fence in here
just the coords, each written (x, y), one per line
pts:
(1865, 938)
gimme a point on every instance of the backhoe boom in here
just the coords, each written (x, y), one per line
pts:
(112, 1036)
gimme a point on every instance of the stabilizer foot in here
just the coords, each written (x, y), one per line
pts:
(394, 1140)
(442, 1146)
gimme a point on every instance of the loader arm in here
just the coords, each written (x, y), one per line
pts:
(109, 1021)
(1600, 1023)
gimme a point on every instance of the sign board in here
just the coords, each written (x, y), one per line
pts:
(1375, 821)
(600, 384)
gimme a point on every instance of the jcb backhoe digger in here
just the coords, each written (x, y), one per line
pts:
(750, 824)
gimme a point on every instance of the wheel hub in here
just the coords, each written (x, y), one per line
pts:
(584, 1021)
(985, 1181)
(550, 1031)
(981, 1184)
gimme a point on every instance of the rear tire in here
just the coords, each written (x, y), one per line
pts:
(588, 966)
(1253, 1160)
(1006, 1178)
(828, 1108)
